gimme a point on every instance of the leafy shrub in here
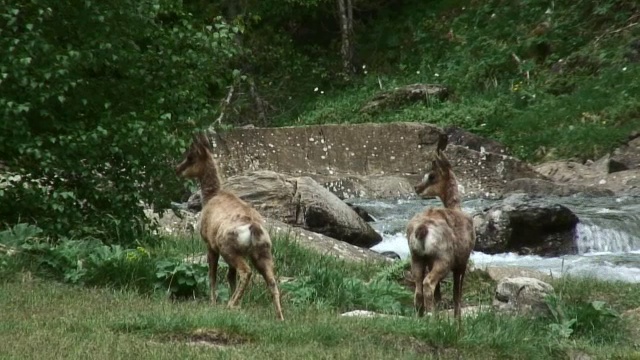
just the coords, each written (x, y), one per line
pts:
(181, 279)
(80, 262)
(592, 319)
(92, 118)
(326, 287)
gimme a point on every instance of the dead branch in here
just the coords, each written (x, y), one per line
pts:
(224, 104)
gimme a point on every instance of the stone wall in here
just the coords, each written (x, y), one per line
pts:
(363, 160)
(331, 151)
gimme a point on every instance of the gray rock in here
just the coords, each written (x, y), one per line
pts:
(539, 187)
(371, 187)
(403, 95)
(323, 244)
(313, 241)
(499, 273)
(526, 225)
(626, 157)
(459, 136)
(485, 174)
(522, 295)
(303, 202)
(363, 160)
(391, 255)
(194, 203)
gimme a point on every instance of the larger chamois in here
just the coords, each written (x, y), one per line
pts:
(440, 239)
(229, 227)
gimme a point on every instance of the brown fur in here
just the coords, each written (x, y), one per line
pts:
(230, 228)
(440, 240)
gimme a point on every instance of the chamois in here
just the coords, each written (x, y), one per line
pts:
(229, 227)
(440, 239)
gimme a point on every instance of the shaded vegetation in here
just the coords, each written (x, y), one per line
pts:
(97, 99)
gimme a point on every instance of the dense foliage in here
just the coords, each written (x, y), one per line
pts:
(98, 98)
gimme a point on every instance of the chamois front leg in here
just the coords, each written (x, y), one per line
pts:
(212, 259)
(418, 267)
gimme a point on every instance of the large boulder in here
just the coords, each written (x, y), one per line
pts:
(327, 152)
(498, 273)
(540, 187)
(404, 95)
(324, 244)
(314, 241)
(364, 160)
(462, 137)
(522, 295)
(485, 174)
(526, 225)
(372, 187)
(568, 171)
(303, 202)
(593, 175)
(626, 157)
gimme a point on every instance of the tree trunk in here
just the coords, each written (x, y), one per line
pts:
(345, 12)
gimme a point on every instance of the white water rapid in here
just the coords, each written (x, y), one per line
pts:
(607, 237)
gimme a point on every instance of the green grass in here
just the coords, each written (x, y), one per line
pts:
(582, 112)
(48, 318)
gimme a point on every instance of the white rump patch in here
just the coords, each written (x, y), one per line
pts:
(244, 235)
(428, 245)
(433, 238)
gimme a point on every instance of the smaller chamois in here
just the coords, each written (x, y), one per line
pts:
(440, 239)
(229, 227)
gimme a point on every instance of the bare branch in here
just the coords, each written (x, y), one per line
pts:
(224, 104)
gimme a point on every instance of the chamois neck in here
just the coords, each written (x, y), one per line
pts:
(210, 182)
(450, 196)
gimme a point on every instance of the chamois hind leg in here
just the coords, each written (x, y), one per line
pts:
(263, 261)
(437, 295)
(212, 259)
(244, 273)
(458, 280)
(231, 278)
(418, 267)
(437, 272)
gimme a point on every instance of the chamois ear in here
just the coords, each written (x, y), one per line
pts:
(443, 141)
(441, 162)
(199, 144)
(202, 139)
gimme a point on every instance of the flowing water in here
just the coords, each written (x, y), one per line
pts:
(607, 237)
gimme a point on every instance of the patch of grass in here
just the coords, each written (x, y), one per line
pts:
(580, 100)
(620, 295)
(110, 319)
(49, 320)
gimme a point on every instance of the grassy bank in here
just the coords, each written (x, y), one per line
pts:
(47, 314)
(572, 92)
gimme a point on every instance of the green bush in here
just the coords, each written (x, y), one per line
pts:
(97, 99)
(182, 280)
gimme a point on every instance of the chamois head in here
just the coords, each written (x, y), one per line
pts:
(197, 159)
(437, 178)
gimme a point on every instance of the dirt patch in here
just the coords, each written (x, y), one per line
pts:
(420, 347)
(208, 337)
